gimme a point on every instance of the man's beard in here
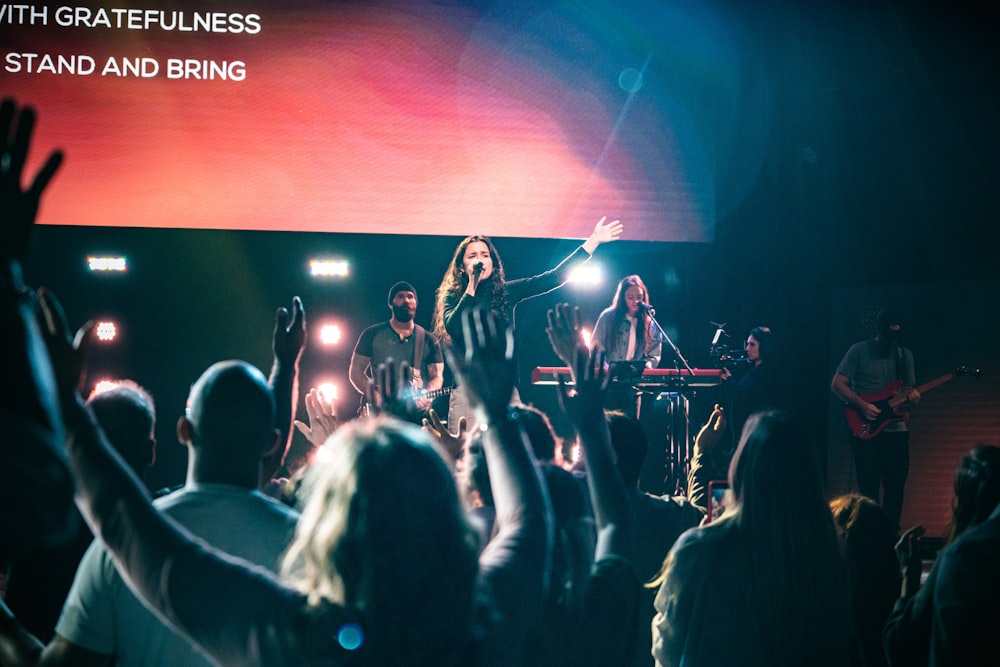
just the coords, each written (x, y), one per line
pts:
(402, 313)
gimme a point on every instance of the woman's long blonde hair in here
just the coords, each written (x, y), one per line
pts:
(383, 533)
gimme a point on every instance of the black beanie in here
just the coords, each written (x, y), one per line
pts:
(401, 286)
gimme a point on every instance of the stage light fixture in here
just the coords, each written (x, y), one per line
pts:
(328, 391)
(588, 275)
(106, 331)
(329, 334)
(328, 268)
(107, 263)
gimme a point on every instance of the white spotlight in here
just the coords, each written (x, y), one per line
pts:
(328, 390)
(97, 263)
(329, 334)
(589, 274)
(106, 331)
(323, 268)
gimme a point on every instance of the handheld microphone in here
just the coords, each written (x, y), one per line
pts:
(477, 268)
(643, 306)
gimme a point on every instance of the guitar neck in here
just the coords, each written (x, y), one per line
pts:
(435, 392)
(927, 386)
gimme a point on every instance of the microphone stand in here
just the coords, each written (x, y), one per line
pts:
(664, 336)
(679, 449)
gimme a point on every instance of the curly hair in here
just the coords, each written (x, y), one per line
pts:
(456, 281)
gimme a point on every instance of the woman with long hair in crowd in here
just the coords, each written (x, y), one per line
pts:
(907, 635)
(766, 583)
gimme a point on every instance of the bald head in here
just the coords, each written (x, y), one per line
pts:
(230, 419)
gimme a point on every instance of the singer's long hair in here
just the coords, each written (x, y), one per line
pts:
(456, 281)
(621, 307)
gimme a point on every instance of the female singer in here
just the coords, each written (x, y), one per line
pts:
(626, 333)
(476, 278)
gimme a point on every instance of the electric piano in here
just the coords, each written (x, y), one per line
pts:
(651, 378)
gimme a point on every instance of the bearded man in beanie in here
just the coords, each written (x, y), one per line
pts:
(402, 340)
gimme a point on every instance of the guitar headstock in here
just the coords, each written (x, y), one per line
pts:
(967, 370)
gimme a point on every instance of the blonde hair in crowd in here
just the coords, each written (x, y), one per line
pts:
(382, 532)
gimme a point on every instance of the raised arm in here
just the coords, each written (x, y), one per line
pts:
(701, 472)
(287, 343)
(584, 404)
(35, 479)
(514, 565)
(528, 288)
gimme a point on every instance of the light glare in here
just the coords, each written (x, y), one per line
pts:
(326, 267)
(102, 386)
(329, 334)
(106, 331)
(328, 391)
(97, 263)
(323, 454)
(588, 275)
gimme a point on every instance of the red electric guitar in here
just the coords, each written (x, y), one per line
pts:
(889, 403)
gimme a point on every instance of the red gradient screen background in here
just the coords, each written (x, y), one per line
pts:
(383, 117)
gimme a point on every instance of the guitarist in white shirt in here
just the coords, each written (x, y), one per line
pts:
(402, 340)
(882, 451)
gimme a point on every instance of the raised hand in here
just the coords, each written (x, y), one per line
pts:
(564, 331)
(289, 333)
(711, 432)
(390, 391)
(287, 342)
(451, 442)
(18, 207)
(584, 402)
(604, 232)
(487, 367)
(910, 565)
(322, 418)
(68, 354)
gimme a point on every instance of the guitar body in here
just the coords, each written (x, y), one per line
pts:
(888, 401)
(868, 429)
(367, 410)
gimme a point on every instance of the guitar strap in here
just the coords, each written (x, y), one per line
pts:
(418, 349)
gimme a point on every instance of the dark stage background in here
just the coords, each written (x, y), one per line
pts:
(871, 178)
